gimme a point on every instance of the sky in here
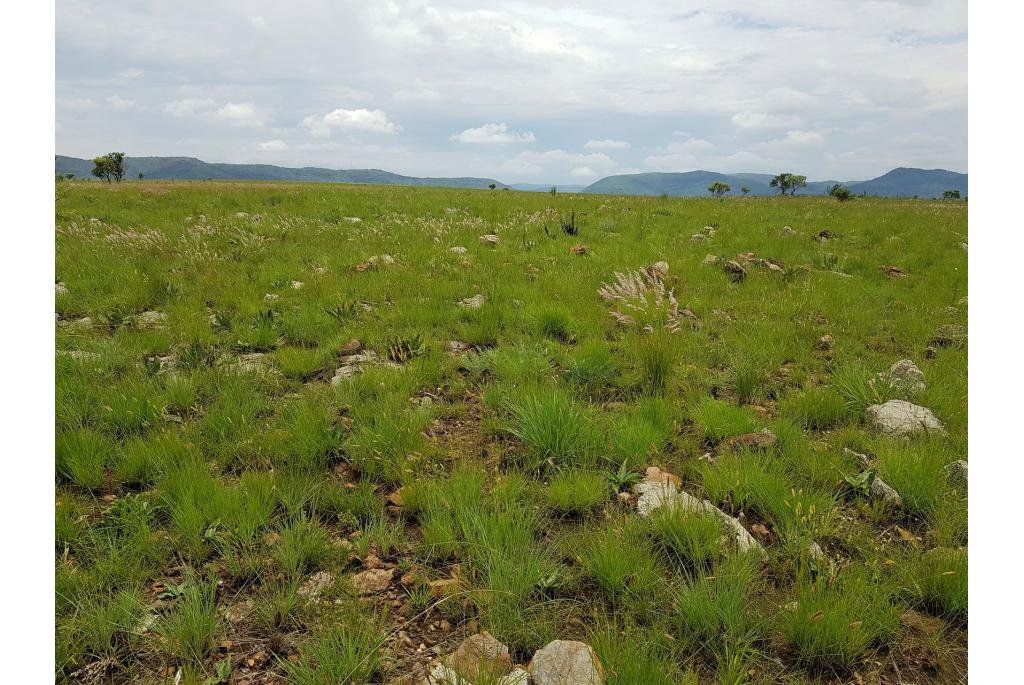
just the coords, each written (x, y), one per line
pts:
(541, 92)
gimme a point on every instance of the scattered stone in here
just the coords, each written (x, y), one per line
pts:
(480, 657)
(489, 239)
(253, 362)
(905, 375)
(351, 347)
(579, 249)
(372, 581)
(957, 472)
(949, 335)
(456, 347)
(315, 585)
(474, 302)
(760, 440)
(710, 259)
(297, 285)
(397, 497)
(458, 249)
(816, 553)
(893, 271)
(787, 231)
(151, 321)
(825, 236)
(963, 246)
(902, 419)
(444, 587)
(698, 237)
(654, 475)
(236, 613)
(862, 459)
(271, 297)
(931, 352)
(661, 491)
(566, 662)
(709, 231)
(352, 219)
(61, 289)
(736, 272)
(885, 492)
(825, 343)
(657, 270)
(241, 215)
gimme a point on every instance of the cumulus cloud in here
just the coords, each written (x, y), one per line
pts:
(754, 121)
(238, 114)
(490, 134)
(680, 155)
(606, 145)
(559, 163)
(369, 120)
(276, 145)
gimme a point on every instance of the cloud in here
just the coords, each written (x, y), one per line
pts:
(276, 145)
(189, 107)
(490, 134)
(583, 171)
(754, 121)
(257, 22)
(370, 120)
(559, 163)
(680, 155)
(794, 142)
(238, 114)
(118, 102)
(606, 145)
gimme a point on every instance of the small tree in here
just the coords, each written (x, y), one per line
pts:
(719, 189)
(109, 167)
(492, 186)
(141, 176)
(788, 182)
(840, 193)
(745, 190)
(951, 194)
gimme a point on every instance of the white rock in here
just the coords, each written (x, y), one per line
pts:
(885, 492)
(474, 302)
(353, 219)
(148, 321)
(270, 297)
(566, 662)
(61, 289)
(297, 285)
(698, 237)
(315, 585)
(710, 259)
(957, 471)
(455, 347)
(902, 419)
(518, 676)
(458, 249)
(906, 375)
(489, 239)
(372, 581)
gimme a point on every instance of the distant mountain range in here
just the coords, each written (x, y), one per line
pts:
(190, 168)
(901, 182)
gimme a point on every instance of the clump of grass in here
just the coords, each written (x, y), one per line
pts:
(640, 434)
(189, 629)
(715, 609)
(621, 563)
(81, 456)
(104, 622)
(304, 545)
(361, 503)
(687, 538)
(656, 357)
(350, 652)
(554, 323)
(816, 408)
(938, 581)
(720, 420)
(279, 604)
(300, 363)
(593, 368)
(836, 621)
(862, 387)
(136, 465)
(637, 656)
(575, 492)
(381, 443)
(916, 470)
(746, 379)
(552, 426)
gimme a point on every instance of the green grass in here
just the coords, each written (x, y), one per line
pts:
(217, 444)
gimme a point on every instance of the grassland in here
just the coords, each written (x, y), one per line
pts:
(224, 495)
